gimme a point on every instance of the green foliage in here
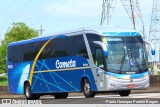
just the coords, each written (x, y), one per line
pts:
(158, 66)
(150, 68)
(3, 81)
(2, 58)
(18, 31)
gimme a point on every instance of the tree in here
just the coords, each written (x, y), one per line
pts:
(18, 31)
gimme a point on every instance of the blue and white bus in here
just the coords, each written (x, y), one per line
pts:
(88, 60)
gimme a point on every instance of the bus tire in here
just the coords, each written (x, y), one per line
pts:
(124, 93)
(88, 93)
(28, 94)
(60, 95)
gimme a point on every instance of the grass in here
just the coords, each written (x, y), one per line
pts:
(3, 81)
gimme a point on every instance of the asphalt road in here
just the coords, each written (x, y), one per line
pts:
(149, 98)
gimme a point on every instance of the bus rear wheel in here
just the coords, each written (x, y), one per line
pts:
(88, 93)
(124, 92)
(60, 95)
(28, 94)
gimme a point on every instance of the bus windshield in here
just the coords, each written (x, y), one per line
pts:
(126, 55)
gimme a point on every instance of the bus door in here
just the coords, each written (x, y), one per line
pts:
(99, 69)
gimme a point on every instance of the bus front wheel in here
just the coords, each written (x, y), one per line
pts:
(28, 94)
(124, 92)
(88, 93)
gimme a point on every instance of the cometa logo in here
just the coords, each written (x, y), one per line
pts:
(69, 64)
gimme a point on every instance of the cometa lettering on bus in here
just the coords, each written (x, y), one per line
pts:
(68, 64)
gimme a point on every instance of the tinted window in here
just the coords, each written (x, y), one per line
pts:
(91, 38)
(10, 56)
(15, 54)
(28, 52)
(99, 58)
(66, 46)
(60, 47)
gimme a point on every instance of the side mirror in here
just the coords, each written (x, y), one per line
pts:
(152, 47)
(103, 46)
(153, 52)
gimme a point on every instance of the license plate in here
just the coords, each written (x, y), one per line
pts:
(131, 85)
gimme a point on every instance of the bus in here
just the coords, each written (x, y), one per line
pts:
(88, 60)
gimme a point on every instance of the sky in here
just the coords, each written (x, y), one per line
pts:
(60, 15)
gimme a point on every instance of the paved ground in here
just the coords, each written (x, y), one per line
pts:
(153, 98)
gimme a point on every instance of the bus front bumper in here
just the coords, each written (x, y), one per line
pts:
(114, 84)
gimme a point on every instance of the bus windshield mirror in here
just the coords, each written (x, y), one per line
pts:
(152, 47)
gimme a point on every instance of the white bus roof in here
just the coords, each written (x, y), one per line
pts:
(94, 29)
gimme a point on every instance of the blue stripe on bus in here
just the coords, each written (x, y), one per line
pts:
(120, 34)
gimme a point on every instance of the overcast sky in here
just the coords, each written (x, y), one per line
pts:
(59, 15)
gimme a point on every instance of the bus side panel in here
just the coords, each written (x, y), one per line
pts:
(61, 81)
(48, 79)
(17, 74)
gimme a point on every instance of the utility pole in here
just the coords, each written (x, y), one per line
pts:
(41, 30)
(154, 34)
(133, 9)
(108, 7)
(132, 15)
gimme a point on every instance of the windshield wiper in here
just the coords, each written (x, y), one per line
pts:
(137, 65)
(123, 60)
(133, 59)
(122, 63)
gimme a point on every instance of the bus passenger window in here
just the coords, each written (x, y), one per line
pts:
(99, 58)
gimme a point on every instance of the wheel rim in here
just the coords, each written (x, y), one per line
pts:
(27, 91)
(87, 88)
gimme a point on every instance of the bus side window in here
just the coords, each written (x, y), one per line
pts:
(99, 58)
